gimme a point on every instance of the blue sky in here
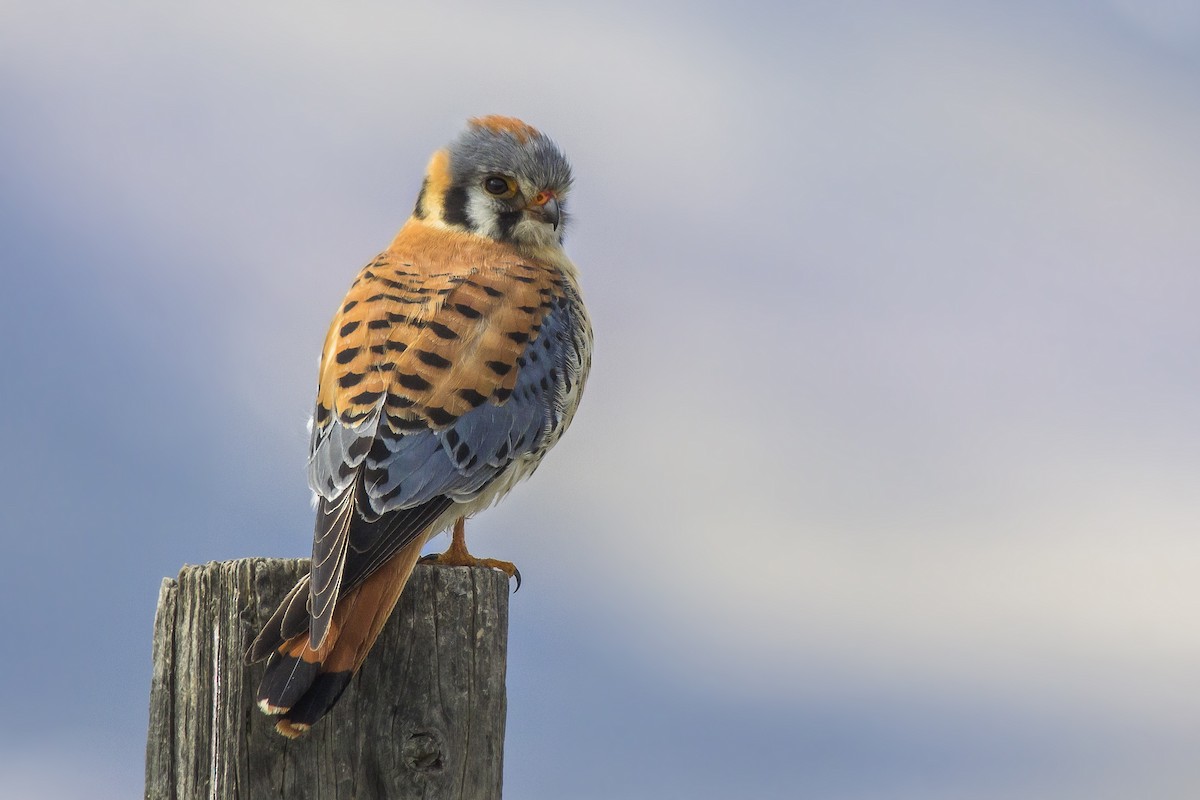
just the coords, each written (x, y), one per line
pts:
(885, 480)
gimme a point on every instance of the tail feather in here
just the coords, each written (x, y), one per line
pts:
(289, 621)
(300, 684)
(286, 680)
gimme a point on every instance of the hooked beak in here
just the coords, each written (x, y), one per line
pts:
(545, 205)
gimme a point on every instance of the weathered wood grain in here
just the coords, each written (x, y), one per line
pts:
(424, 718)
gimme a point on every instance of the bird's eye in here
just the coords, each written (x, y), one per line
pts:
(499, 186)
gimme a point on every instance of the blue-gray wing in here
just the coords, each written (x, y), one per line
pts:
(442, 408)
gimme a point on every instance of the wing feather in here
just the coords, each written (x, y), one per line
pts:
(450, 358)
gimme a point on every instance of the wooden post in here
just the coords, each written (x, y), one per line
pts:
(423, 718)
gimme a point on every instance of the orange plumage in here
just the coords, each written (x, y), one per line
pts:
(454, 363)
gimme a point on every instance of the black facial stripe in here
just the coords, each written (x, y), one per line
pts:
(507, 221)
(454, 207)
(419, 211)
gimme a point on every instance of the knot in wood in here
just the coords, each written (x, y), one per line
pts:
(423, 751)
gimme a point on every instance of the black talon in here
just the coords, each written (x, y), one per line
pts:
(517, 575)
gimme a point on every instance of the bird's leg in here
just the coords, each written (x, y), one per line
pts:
(456, 555)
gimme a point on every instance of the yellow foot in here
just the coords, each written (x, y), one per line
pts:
(456, 555)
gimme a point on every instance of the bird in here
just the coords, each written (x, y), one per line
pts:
(456, 360)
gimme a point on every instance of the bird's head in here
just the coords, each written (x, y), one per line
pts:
(502, 179)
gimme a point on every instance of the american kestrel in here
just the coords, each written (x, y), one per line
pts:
(456, 360)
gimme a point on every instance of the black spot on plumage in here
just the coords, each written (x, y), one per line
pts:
(521, 361)
(379, 324)
(528, 309)
(379, 450)
(439, 416)
(410, 381)
(502, 453)
(432, 359)
(523, 278)
(351, 379)
(461, 452)
(490, 291)
(397, 347)
(499, 367)
(467, 311)
(345, 470)
(322, 414)
(452, 437)
(406, 424)
(349, 306)
(347, 355)
(454, 207)
(359, 447)
(473, 397)
(399, 401)
(544, 383)
(385, 436)
(353, 418)
(366, 398)
(533, 356)
(404, 287)
(387, 366)
(520, 337)
(470, 464)
(441, 331)
(349, 328)
(395, 298)
(502, 394)
(377, 349)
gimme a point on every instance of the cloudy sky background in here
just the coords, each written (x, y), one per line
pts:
(885, 484)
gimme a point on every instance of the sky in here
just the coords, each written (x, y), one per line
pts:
(885, 480)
